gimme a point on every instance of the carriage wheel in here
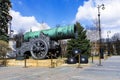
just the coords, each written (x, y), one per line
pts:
(39, 49)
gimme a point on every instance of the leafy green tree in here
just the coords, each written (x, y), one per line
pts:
(5, 18)
(81, 42)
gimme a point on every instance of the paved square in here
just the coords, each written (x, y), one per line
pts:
(109, 71)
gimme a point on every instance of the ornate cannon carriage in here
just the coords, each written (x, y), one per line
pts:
(40, 44)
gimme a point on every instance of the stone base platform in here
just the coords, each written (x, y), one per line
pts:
(36, 63)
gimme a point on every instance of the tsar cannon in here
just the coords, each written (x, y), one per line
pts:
(41, 44)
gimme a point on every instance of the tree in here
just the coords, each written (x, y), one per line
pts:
(19, 38)
(5, 18)
(116, 36)
(116, 43)
(4, 48)
(92, 31)
(81, 42)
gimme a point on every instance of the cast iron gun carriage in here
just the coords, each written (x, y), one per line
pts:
(40, 44)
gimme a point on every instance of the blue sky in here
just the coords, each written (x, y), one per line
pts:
(44, 14)
(53, 12)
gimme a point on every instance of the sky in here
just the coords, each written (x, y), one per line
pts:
(45, 14)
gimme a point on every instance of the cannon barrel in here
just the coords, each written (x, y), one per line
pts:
(58, 33)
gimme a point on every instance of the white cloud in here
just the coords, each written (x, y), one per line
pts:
(86, 11)
(26, 22)
(110, 18)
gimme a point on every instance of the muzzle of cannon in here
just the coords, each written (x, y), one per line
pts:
(40, 44)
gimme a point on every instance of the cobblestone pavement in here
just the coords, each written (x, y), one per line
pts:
(110, 70)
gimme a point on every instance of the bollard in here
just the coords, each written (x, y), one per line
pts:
(52, 63)
(79, 66)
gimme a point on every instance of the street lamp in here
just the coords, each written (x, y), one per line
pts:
(108, 45)
(99, 26)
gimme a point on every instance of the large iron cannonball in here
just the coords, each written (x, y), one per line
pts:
(71, 60)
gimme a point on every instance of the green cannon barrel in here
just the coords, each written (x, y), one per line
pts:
(58, 33)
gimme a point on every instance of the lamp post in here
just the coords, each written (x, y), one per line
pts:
(99, 26)
(108, 45)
